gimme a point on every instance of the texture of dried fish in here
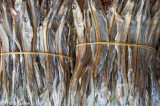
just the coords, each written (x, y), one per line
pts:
(28, 27)
(117, 75)
(102, 74)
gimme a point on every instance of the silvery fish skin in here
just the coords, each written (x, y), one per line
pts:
(35, 20)
(7, 29)
(6, 18)
(5, 48)
(27, 35)
(16, 60)
(83, 55)
(101, 30)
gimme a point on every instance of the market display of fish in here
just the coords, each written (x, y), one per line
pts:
(70, 52)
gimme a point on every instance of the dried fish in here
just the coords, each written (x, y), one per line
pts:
(102, 74)
(35, 79)
(121, 75)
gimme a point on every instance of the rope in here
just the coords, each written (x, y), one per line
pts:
(40, 53)
(120, 44)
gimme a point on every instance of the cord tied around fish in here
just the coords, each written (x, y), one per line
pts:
(119, 44)
(40, 53)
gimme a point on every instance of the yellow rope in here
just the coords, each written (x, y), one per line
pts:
(121, 44)
(40, 53)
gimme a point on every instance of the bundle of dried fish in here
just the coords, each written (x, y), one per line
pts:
(103, 74)
(112, 74)
(34, 26)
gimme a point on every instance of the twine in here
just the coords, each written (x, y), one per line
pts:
(40, 53)
(120, 44)
(83, 44)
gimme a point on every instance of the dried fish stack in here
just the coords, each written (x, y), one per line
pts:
(106, 74)
(40, 38)
(31, 26)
